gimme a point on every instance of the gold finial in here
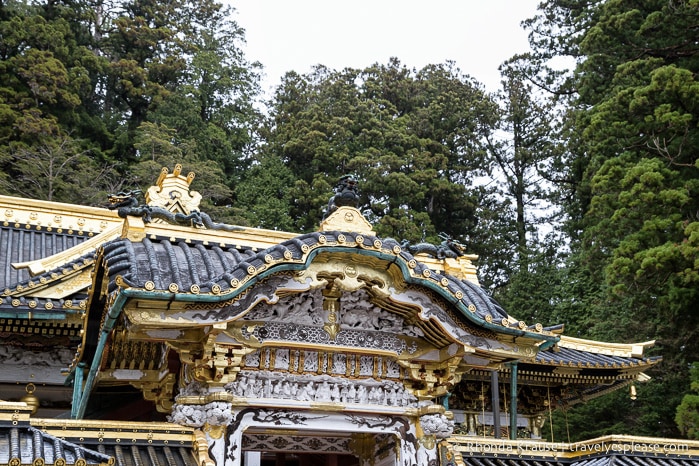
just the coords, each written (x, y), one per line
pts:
(172, 192)
(30, 399)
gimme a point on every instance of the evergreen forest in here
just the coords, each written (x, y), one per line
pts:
(577, 185)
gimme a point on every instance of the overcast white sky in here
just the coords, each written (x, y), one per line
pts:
(478, 35)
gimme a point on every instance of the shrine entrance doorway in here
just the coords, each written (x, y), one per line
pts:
(298, 448)
(299, 459)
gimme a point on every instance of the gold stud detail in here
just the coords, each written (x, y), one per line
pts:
(396, 249)
(48, 305)
(488, 318)
(235, 282)
(341, 238)
(173, 288)
(304, 248)
(252, 269)
(377, 243)
(444, 282)
(359, 239)
(194, 289)
(149, 285)
(268, 258)
(322, 239)
(427, 273)
(288, 255)
(216, 288)
(472, 307)
(412, 263)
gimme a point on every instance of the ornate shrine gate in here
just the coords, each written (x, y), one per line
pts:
(335, 341)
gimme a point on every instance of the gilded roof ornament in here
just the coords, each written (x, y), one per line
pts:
(170, 201)
(342, 213)
(172, 192)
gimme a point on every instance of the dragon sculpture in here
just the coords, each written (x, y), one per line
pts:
(126, 204)
(448, 248)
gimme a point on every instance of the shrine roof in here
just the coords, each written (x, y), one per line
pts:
(159, 264)
(602, 460)
(582, 359)
(71, 442)
(47, 250)
(613, 450)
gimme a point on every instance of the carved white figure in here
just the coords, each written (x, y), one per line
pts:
(351, 394)
(362, 395)
(393, 397)
(335, 393)
(323, 392)
(437, 425)
(286, 390)
(241, 387)
(306, 392)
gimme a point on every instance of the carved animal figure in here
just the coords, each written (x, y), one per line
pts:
(346, 194)
(447, 248)
(126, 204)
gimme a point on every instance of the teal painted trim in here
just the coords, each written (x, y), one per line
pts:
(77, 390)
(547, 340)
(117, 306)
(126, 293)
(33, 315)
(513, 400)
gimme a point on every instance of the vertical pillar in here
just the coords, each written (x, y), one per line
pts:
(513, 401)
(252, 458)
(77, 390)
(495, 401)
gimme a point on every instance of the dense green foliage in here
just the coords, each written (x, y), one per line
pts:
(688, 411)
(632, 165)
(578, 188)
(91, 90)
